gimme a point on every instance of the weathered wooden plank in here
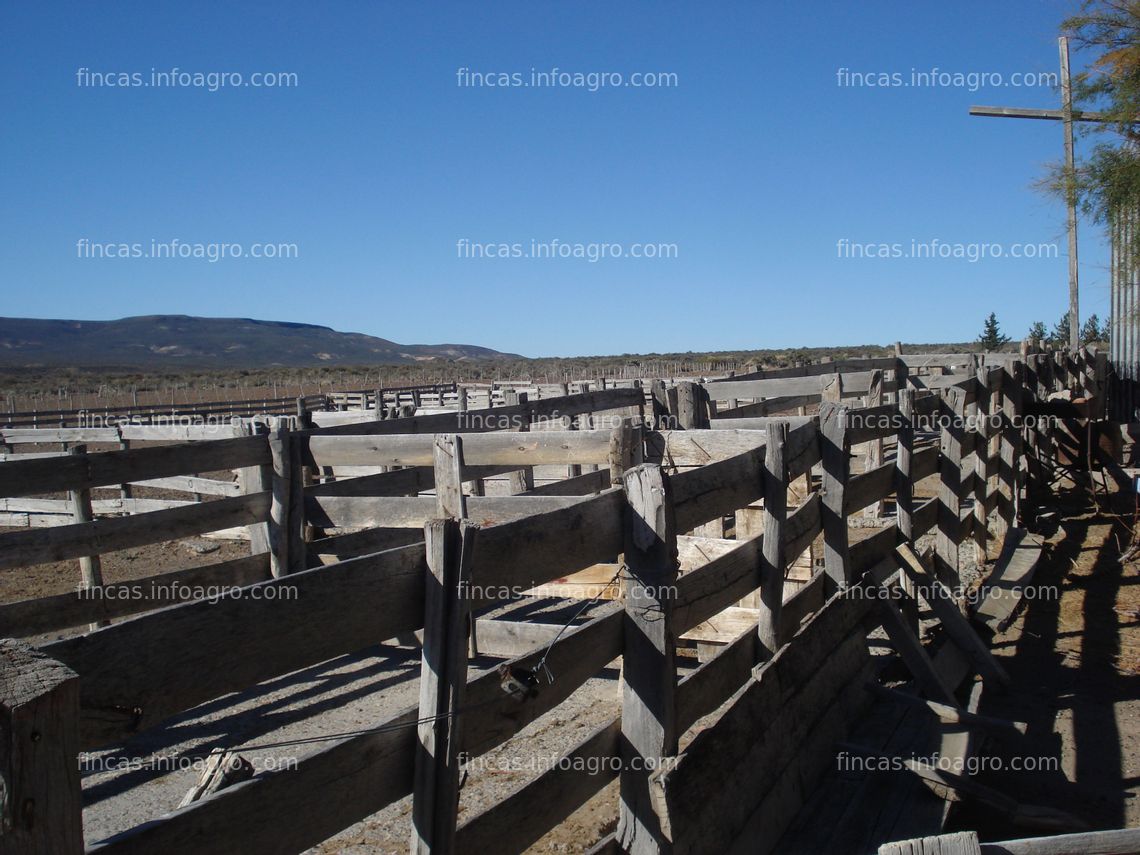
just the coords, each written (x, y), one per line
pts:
(869, 487)
(582, 485)
(719, 488)
(854, 383)
(139, 672)
(531, 448)
(1123, 841)
(20, 549)
(192, 484)
(814, 369)
(767, 407)
(497, 418)
(535, 549)
(757, 423)
(1004, 587)
(50, 475)
(872, 422)
(62, 507)
(699, 447)
(401, 482)
(718, 584)
(178, 432)
(35, 436)
(327, 550)
(61, 611)
(414, 511)
(956, 843)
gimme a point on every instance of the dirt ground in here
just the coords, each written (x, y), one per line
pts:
(1073, 656)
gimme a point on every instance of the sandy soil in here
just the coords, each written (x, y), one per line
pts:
(1074, 658)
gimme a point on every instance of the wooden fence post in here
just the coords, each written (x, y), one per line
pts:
(995, 422)
(904, 454)
(257, 479)
(124, 489)
(692, 405)
(902, 372)
(1047, 383)
(41, 797)
(773, 558)
(873, 450)
(1012, 441)
(949, 533)
(621, 452)
(1101, 375)
(443, 680)
(299, 476)
(281, 486)
(649, 685)
(836, 464)
(90, 566)
(660, 399)
(521, 480)
(904, 501)
(977, 473)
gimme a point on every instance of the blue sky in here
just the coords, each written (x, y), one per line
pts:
(377, 163)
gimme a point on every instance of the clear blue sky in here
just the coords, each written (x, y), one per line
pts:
(378, 162)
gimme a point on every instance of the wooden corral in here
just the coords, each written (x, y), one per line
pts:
(698, 498)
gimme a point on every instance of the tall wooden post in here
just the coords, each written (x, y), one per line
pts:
(692, 406)
(443, 680)
(836, 464)
(256, 479)
(873, 450)
(90, 566)
(1070, 193)
(279, 515)
(648, 715)
(522, 480)
(949, 533)
(41, 797)
(773, 558)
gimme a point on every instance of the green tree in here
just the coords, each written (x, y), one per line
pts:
(1038, 331)
(1108, 179)
(1091, 330)
(1060, 335)
(991, 337)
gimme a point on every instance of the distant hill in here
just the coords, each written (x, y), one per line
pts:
(173, 341)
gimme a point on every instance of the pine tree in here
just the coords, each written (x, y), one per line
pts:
(1038, 331)
(1060, 335)
(1091, 330)
(991, 338)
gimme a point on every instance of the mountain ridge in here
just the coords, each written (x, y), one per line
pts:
(171, 341)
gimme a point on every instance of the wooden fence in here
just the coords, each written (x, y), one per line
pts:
(158, 414)
(630, 494)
